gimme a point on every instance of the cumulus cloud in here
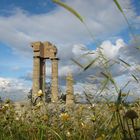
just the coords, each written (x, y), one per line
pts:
(14, 89)
(110, 50)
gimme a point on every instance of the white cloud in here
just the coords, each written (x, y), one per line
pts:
(61, 27)
(14, 89)
(17, 89)
(110, 50)
(79, 49)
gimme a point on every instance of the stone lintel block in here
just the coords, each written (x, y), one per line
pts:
(47, 43)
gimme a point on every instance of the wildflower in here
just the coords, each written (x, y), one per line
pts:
(93, 118)
(92, 107)
(83, 125)
(7, 101)
(6, 105)
(68, 134)
(39, 104)
(102, 137)
(40, 93)
(45, 117)
(17, 118)
(64, 116)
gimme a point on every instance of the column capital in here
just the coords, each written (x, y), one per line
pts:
(36, 56)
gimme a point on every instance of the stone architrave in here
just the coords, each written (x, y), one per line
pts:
(69, 90)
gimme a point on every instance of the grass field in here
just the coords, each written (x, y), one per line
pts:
(102, 121)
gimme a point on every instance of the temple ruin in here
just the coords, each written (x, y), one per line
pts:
(41, 52)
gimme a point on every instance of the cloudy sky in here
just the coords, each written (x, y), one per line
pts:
(24, 22)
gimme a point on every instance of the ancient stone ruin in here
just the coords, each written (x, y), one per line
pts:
(69, 90)
(43, 51)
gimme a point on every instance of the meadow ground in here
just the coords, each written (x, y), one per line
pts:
(56, 121)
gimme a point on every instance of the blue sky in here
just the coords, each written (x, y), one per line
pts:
(33, 7)
(38, 7)
(23, 22)
(10, 60)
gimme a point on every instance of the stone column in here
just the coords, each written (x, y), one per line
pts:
(54, 84)
(36, 68)
(69, 90)
(36, 76)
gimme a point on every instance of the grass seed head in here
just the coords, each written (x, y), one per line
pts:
(131, 114)
(40, 93)
(64, 116)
